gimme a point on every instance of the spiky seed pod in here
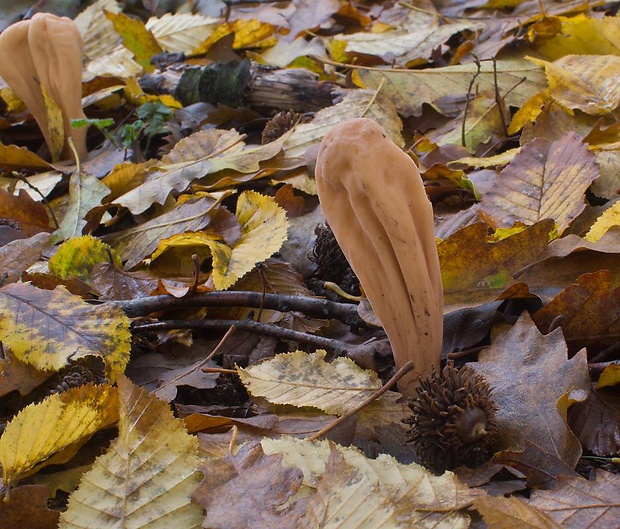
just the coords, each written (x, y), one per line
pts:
(280, 123)
(332, 265)
(453, 421)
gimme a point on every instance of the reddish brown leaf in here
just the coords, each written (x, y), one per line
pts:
(544, 180)
(588, 312)
(27, 507)
(596, 422)
(18, 255)
(30, 215)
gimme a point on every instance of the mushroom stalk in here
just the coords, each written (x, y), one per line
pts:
(44, 55)
(373, 198)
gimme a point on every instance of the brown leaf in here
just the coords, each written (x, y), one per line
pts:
(114, 283)
(596, 422)
(512, 513)
(248, 489)
(544, 180)
(475, 270)
(588, 312)
(30, 215)
(18, 376)
(579, 503)
(18, 255)
(529, 373)
(541, 468)
(28, 508)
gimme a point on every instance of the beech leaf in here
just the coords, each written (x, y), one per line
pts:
(146, 477)
(61, 420)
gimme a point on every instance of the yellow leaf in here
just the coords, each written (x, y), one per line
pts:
(530, 110)
(609, 219)
(49, 328)
(263, 231)
(13, 156)
(79, 255)
(583, 35)
(136, 38)
(584, 82)
(147, 476)
(58, 422)
(302, 379)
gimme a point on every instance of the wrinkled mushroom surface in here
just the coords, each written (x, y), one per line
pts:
(373, 198)
(46, 51)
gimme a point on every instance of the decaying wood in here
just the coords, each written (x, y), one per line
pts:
(265, 88)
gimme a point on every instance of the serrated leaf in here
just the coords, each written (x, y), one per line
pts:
(544, 180)
(264, 229)
(146, 477)
(181, 33)
(304, 379)
(609, 219)
(97, 31)
(49, 328)
(58, 422)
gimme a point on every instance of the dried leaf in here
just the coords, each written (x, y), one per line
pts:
(19, 255)
(146, 477)
(136, 38)
(31, 216)
(495, 262)
(61, 420)
(18, 376)
(596, 422)
(28, 508)
(47, 329)
(263, 231)
(256, 484)
(512, 513)
(85, 193)
(528, 399)
(579, 503)
(545, 180)
(609, 219)
(304, 379)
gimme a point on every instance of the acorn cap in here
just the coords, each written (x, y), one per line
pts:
(453, 421)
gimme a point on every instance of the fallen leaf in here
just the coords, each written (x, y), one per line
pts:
(28, 508)
(512, 513)
(596, 422)
(303, 379)
(18, 255)
(30, 216)
(545, 180)
(258, 486)
(541, 374)
(48, 329)
(146, 477)
(578, 503)
(62, 420)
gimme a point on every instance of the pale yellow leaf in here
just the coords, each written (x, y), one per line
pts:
(97, 31)
(418, 493)
(147, 476)
(263, 231)
(181, 32)
(584, 82)
(55, 424)
(303, 379)
(609, 219)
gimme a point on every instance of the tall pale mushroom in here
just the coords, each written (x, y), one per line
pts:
(46, 51)
(373, 198)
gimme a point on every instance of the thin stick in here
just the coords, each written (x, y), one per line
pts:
(399, 374)
(217, 348)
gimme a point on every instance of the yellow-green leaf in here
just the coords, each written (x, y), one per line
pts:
(78, 256)
(55, 424)
(147, 476)
(50, 328)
